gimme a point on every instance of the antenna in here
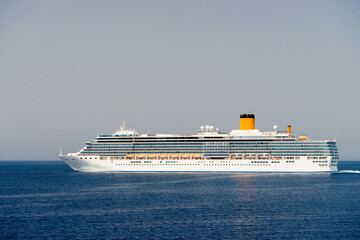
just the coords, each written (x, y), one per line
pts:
(335, 134)
(123, 127)
(60, 152)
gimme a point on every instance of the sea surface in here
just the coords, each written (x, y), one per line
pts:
(47, 200)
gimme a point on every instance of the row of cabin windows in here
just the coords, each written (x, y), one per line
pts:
(214, 147)
(210, 143)
(297, 153)
(189, 164)
(275, 157)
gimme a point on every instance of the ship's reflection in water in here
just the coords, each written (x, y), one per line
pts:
(269, 205)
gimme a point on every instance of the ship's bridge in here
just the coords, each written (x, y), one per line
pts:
(123, 131)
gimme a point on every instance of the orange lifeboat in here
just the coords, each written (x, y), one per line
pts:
(175, 155)
(152, 155)
(163, 155)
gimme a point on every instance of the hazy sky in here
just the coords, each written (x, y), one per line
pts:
(72, 69)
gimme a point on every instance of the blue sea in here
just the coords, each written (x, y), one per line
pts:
(47, 200)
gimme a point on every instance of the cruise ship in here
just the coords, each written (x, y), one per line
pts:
(209, 150)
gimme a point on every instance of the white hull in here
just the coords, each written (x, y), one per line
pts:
(199, 165)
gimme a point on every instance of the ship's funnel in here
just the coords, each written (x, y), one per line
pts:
(289, 129)
(247, 122)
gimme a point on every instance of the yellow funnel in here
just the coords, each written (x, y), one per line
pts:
(247, 122)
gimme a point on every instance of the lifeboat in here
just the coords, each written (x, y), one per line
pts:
(302, 137)
(250, 156)
(130, 155)
(175, 155)
(152, 155)
(141, 155)
(163, 155)
(197, 155)
(185, 155)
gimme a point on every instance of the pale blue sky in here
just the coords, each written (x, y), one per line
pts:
(72, 69)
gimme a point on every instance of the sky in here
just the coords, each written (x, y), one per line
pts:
(70, 70)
